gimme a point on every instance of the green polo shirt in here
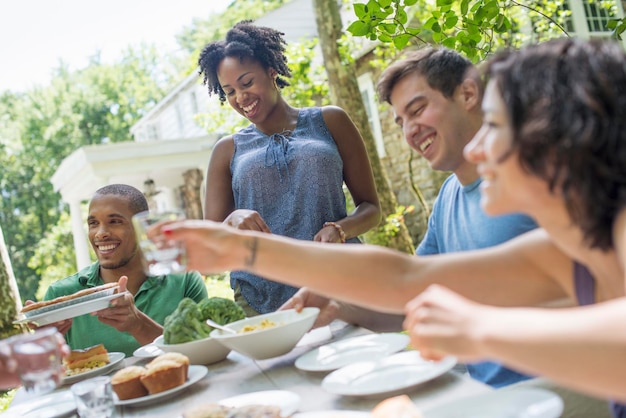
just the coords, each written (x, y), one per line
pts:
(157, 297)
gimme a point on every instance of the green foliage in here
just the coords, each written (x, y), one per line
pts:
(5, 399)
(383, 234)
(50, 263)
(618, 26)
(41, 127)
(475, 28)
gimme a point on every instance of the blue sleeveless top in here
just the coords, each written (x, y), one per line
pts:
(585, 286)
(294, 179)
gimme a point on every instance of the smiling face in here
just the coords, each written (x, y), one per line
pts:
(506, 186)
(435, 126)
(249, 88)
(111, 231)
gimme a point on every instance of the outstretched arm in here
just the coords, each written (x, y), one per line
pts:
(520, 272)
(581, 347)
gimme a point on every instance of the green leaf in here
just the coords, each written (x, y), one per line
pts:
(360, 10)
(409, 2)
(401, 17)
(464, 7)
(436, 27)
(359, 28)
(400, 41)
(449, 42)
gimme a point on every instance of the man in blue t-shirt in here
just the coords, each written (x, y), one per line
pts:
(436, 99)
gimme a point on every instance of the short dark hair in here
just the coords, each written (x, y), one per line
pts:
(245, 40)
(566, 102)
(136, 199)
(443, 69)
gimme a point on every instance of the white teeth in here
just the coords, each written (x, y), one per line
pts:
(426, 143)
(249, 108)
(106, 247)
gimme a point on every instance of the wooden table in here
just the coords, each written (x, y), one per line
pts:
(239, 374)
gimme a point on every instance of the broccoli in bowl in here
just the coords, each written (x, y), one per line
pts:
(188, 321)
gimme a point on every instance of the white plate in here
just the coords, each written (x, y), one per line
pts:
(333, 414)
(114, 359)
(195, 374)
(148, 351)
(70, 311)
(506, 403)
(351, 350)
(287, 401)
(53, 405)
(389, 375)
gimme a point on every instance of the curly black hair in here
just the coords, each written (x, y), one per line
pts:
(566, 101)
(263, 44)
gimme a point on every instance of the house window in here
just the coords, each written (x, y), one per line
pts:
(179, 119)
(153, 131)
(589, 19)
(194, 103)
(366, 86)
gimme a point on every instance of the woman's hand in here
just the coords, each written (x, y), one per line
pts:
(441, 322)
(246, 219)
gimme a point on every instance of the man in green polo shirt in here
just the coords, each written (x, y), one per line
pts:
(137, 318)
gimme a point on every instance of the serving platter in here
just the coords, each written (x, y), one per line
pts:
(54, 313)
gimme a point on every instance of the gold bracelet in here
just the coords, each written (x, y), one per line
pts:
(342, 234)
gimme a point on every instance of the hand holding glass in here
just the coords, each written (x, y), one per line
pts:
(161, 255)
(39, 359)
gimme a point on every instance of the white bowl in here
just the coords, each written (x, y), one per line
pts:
(205, 351)
(269, 342)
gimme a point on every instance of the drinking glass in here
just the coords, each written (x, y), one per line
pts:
(161, 255)
(39, 359)
(94, 397)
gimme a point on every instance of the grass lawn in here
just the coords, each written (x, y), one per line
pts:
(215, 286)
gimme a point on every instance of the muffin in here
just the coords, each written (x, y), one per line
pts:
(163, 375)
(177, 357)
(127, 383)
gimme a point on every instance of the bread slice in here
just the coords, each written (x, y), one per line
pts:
(61, 299)
(91, 357)
(398, 407)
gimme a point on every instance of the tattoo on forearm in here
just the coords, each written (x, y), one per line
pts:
(252, 245)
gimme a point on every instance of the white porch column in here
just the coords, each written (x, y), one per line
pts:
(80, 238)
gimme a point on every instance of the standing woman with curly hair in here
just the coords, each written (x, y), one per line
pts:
(283, 173)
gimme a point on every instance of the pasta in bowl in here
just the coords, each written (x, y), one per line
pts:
(268, 335)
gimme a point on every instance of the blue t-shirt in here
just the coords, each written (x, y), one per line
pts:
(458, 223)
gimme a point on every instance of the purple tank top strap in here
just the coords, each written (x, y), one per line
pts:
(618, 410)
(584, 284)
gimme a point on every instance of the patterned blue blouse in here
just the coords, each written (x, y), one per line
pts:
(294, 180)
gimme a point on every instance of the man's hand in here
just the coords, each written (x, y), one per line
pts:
(123, 315)
(329, 309)
(61, 326)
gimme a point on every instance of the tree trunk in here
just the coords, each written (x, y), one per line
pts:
(191, 193)
(344, 91)
(10, 301)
